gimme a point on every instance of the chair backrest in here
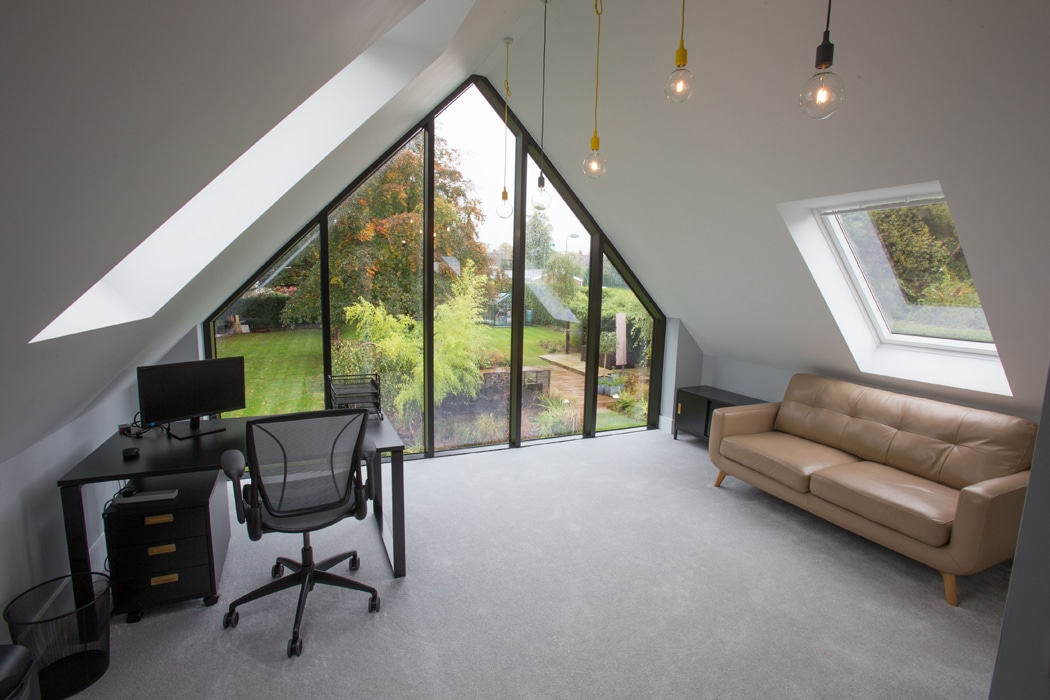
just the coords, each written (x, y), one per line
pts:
(304, 463)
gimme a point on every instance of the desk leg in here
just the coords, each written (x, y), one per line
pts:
(76, 534)
(392, 533)
(79, 562)
(397, 477)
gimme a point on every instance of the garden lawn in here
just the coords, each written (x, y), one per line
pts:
(283, 370)
(498, 339)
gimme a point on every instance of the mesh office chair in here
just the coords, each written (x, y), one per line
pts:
(305, 471)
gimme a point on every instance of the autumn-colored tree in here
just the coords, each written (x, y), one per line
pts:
(375, 238)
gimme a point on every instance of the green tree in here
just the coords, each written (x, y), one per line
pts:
(918, 259)
(392, 345)
(538, 239)
(561, 273)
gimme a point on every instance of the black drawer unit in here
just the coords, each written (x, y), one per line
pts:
(168, 551)
(694, 404)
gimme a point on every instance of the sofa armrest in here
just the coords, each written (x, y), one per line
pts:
(740, 420)
(987, 521)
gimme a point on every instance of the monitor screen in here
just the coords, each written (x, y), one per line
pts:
(182, 390)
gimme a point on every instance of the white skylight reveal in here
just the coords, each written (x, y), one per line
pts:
(892, 272)
(144, 281)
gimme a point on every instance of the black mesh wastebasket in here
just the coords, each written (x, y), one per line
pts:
(69, 643)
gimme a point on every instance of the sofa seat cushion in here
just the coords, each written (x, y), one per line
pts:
(783, 457)
(919, 508)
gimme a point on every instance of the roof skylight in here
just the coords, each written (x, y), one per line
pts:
(154, 272)
(892, 271)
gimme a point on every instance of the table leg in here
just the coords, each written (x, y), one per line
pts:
(76, 534)
(393, 532)
(397, 478)
(79, 562)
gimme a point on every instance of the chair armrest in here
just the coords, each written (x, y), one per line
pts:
(740, 420)
(233, 466)
(987, 521)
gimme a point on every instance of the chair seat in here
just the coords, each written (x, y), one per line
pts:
(302, 523)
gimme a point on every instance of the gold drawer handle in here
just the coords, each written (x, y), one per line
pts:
(679, 408)
(160, 519)
(161, 580)
(161, 549)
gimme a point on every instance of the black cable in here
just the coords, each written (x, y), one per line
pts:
(543, 86)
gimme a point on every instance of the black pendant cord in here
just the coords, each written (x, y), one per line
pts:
(826, 50)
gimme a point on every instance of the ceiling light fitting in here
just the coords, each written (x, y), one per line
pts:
(594, 164)
(505, 207)
(541, 198)
(679, 85)
(824, 91)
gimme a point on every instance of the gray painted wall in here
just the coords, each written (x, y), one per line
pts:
(1022, 667)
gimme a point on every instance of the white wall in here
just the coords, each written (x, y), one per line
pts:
(747, 378)
(683, 366)
(33, 546)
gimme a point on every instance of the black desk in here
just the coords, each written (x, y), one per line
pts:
(160, 455)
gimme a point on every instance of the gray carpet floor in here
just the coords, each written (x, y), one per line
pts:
(598, 568)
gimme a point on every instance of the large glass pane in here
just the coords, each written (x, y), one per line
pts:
(911, 260)
(472, 252)
(624, 354)
(276, 326)
(556, 257)
(375, 256)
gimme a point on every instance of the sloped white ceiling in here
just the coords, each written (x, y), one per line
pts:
(938, 90)
(116, 115)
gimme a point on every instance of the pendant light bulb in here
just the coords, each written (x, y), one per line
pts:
(504, 209)
(594, 164)
(541, 198)
(823, 93)
(679, 85)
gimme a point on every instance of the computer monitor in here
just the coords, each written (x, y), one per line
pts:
(189, 390)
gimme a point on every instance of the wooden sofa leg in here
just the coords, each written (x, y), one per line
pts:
(950, 592)
(718, 479)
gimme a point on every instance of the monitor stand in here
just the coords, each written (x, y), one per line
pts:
(194, 429)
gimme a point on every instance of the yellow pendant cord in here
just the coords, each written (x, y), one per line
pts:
(681, 55)
(598, 9)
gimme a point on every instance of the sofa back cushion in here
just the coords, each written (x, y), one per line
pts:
(952, 445)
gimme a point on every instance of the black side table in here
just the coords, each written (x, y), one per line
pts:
(694, 404)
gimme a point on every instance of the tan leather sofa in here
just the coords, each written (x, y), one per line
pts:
(940, 483)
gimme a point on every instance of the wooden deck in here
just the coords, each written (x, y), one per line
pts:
(567, 374)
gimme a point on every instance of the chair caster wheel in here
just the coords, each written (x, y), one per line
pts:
(373, 604)
(277, 571)
(133, 617)
(230, 619)
(295, 647)
(355, 563)
(210, 600)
